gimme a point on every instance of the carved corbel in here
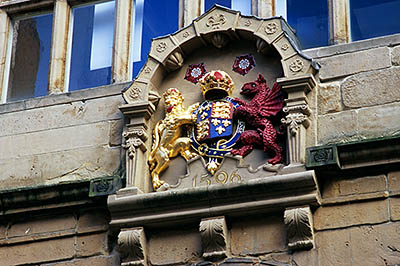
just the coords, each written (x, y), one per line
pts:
(214, 238)
(132, 246)
(174, 61)
(219, 40)
(133, 139)
(299, 225)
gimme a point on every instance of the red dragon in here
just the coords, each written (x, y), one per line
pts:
(265, 103)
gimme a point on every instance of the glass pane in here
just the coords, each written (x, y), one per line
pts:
(29, 65)
(310, 20)
(371, 18)
(92, 42)
(153, 18)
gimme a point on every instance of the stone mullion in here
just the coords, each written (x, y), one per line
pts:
(121, 63)
(339, 21)
(265, 8)
(58, 54)
(4, 37)
(191, 10)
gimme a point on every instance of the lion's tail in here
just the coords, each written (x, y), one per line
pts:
(156, 143)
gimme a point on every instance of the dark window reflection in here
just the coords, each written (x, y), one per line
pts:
(29, 65)
(310, 20)
(92, 42)
(372, 18)
(152, 18)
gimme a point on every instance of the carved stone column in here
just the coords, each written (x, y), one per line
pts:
(135, 136)
(214, 238)
(132, 246)
(297, 115)
(299, 225)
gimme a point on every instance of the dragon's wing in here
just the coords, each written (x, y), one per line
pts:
(272, 102)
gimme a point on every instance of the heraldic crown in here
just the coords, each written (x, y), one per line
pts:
(216, 84)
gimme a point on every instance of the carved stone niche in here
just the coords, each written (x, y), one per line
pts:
(169, 164)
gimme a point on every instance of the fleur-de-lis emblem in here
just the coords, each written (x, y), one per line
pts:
(216, 21)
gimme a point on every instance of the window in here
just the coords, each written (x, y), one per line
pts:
(29, 64)
(309, 18)
(152, 18)
(92, 42)
(371, 18)
(244, 6)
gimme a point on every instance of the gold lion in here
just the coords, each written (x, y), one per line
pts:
(168, 141)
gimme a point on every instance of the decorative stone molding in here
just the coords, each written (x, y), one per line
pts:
(214, 238)
(219, 40)
(134, 139)
(297, 113)
(299, 225)
(174, 61)
(132, 246)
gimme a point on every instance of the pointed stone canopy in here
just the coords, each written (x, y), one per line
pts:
(168, 53)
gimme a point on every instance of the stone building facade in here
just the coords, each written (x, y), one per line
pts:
(76, 188)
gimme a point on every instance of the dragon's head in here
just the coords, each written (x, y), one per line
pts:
(252, 88)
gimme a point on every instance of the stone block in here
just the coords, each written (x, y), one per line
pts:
(42, 227)
(333, 247)
(351, 63)
(379, 121)
(375, 245)
(38, 252)
(92, 261)
(338, 127)
(340, 216)
(93, 220)
(116, 127)
(371, 88)
(60, 116)
(394, 209)
(54, 140)
(329, 98)
(396, 56)
(337, 187)
(394, 181)
(258, 235)
(77, 164)
(305, 258)
(174, 247)
(90, 245)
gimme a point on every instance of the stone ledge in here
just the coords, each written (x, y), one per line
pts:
(258, 195)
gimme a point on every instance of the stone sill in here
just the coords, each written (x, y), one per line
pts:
(274, 193)
(63, 98)
(354, 155)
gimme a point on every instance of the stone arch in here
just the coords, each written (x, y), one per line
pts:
(218, 26)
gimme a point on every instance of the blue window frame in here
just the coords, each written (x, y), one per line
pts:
(244, 6)
(309, 18)
(372, 18)
(30, 56)
(92, 41)
(152, 18)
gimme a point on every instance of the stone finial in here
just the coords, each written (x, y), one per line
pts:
(132, 246)
(214, 237)
(299, 228)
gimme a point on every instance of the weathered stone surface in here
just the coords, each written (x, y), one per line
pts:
(396, 56)
(42, 226)
(92, 261)
(305, 258)
(93, 220)
(347, 64)
(258, 235)
(116, 127)
(54, 140)
(371, 88)
(333, 247)
(394, 209)
(339, 216)
(375, 245)
(394, 181)
(36, 252)
(50, 168)
(338, 127)
(329, 98)
(379, 121)
(90, 245)
(337, 187)
(183, 245)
